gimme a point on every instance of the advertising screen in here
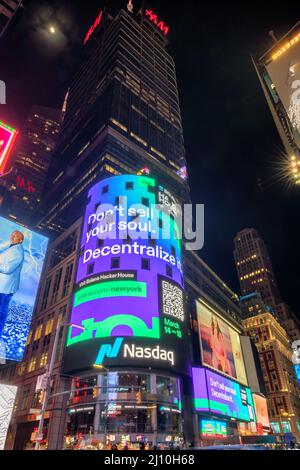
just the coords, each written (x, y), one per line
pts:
(261, 412)
(284, 71)
(22, 254)
(220, 344)
(7, 139)
(7, 399)
(213, 429)
(128, 304)
(219, 395)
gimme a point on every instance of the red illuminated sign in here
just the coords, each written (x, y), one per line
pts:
(158, 22)
(93, 27)
(25, 184)
(7, 140)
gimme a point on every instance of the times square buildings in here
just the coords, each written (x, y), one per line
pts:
(127, 382)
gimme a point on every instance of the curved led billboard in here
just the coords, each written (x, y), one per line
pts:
(128, 307)
(22, 255)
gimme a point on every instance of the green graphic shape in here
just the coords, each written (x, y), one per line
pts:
(104, 329)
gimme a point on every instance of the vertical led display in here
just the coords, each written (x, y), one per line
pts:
(22, 254)
(7, 140)
(262, 415)
(128, 297)
(220, 344)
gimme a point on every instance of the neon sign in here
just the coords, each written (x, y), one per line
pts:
(7, 139)
(27, 185)
(161, 25)
(93, 28)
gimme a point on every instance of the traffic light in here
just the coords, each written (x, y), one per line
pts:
(138, 397)
(41, 397)
(95, 392)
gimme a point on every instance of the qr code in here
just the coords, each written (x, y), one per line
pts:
(172, 300)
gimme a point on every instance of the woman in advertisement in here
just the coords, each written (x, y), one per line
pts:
(219, 357)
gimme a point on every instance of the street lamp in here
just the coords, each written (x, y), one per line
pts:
(101, 367)
(48, 380)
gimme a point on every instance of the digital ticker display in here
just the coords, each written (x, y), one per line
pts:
(128, 307)
(219, 395)
(22, 255)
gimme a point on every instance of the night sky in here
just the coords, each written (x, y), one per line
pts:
(232, 144)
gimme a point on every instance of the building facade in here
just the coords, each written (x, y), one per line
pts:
(281, 385)
(23, 187)
(8, 9)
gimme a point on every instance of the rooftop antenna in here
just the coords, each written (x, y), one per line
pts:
(130, 6)
(273, 36)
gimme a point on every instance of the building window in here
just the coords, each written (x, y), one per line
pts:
(169, 271)
(67, 280)
(31, 365)
(146, 264)
(56, 286)
(115, 263)
(90, 268)
(46, 294)
(129, 186)
(145, 201)
(49, 326)
(44, 360)
(38, 332)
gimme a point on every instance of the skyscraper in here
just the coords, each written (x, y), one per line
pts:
(256, 274)
(8, 9)
(128, 115)
(254, 267)
(23, 188)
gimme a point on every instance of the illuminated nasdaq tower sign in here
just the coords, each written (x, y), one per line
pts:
(129, 287)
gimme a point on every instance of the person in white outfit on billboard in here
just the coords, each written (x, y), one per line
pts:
(11, 263)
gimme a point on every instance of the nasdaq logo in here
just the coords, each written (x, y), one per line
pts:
(109, 351)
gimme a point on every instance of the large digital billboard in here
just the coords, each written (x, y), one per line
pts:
(213, 429)
(128, 297)
(7, 139)
(284, 71)
(220, 396)
(22, 254)
(262, 415)
(220, 344)
(7, 399)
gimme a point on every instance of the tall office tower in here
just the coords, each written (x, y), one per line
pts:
(282, 391)
(254, 267)
(278, 70)
(122, 116)
(8, 9)
(23, 188)
(256, 275)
